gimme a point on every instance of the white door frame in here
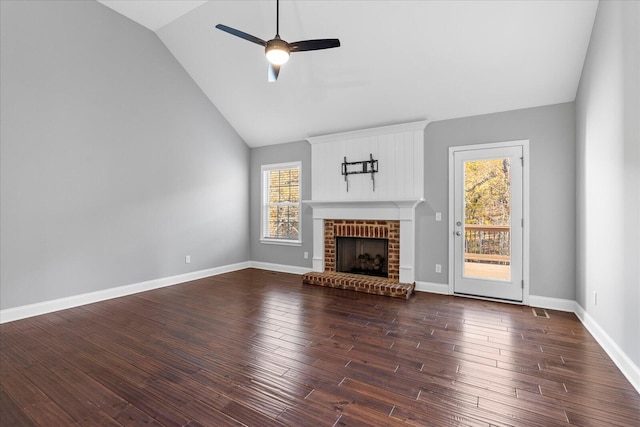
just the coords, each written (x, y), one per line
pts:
(525, 210)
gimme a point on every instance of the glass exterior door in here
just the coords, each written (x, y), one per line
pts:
(488, 222)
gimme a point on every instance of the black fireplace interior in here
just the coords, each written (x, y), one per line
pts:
(362, 256)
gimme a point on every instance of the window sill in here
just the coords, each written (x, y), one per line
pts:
(281, 242)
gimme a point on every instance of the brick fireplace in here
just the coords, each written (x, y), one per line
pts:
(368, 204)
(373, 229)
(392, 220)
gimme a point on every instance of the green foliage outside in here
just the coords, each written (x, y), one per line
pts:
(284, 198)
(487, 192)
(488, 207)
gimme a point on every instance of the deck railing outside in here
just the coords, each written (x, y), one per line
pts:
(487, 243)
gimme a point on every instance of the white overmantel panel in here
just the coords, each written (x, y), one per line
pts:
(399, 184)
(399, 150)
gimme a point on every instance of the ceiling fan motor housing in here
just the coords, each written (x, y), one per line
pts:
(277, 51)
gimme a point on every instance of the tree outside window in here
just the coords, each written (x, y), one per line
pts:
(487, 192)
(281, 204)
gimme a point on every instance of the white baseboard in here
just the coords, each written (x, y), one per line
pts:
(559, 304)
(622, 361)
(434, 288)
(22, 312)
(280, 267)
(626, 366)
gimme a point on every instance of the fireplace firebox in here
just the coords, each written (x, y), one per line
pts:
(367, 256)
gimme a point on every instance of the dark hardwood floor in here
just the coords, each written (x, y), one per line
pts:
(259, 348)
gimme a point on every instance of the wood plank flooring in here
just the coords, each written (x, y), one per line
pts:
(258, 348)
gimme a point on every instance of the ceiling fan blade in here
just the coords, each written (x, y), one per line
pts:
(314, 44)
(272, 72)
(241, 34)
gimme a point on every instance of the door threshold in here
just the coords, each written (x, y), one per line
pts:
(509, 301)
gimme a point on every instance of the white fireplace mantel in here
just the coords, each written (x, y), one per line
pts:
(359, 204)
(383, 209)
(390, 210)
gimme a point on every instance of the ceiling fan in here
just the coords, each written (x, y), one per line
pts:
(278, 50)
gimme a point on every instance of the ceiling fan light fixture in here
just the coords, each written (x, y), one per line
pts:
(277, 51)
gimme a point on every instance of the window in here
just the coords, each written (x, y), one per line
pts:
(281, 203)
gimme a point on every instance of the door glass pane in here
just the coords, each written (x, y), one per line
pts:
(487, 219)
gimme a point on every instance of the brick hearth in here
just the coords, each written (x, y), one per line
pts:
(370, 284)
(359, 283)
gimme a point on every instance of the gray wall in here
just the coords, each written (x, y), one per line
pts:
(608, 176)
(114, 165)
(279, 254)
(551, 134)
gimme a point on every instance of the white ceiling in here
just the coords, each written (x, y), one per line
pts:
(153, 14)
(400, 61)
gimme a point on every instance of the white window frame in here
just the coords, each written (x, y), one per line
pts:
(264, 204)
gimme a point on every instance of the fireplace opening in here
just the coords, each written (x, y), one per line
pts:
(362, 256)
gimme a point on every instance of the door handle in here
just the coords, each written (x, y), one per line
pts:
(458, 233)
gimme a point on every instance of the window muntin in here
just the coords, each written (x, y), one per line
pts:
(281, 203)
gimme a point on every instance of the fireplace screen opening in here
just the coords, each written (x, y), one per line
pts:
(362, 256)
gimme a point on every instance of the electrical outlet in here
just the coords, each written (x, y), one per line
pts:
(595, 298)
(187, 259)
(438, 216)
(306, 255)
(438, 268)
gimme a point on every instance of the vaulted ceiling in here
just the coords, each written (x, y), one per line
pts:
(400, 61)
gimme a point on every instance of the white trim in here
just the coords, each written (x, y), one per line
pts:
(281, 242)
(281, 268)
(526, 230)
(398, 210)
(363, 204)
(363, 133)
(44, 307)
(277, 166)
(524, 143)
(621, 360)
(451, 219)
(434, 288)
(22, 312)
(619, 357)
(559, 304)
(317, 259)
(264, 206)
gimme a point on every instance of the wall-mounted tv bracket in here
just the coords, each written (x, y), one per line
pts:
(365, 166)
